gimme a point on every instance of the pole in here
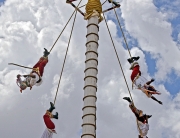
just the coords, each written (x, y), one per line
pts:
(93, 10)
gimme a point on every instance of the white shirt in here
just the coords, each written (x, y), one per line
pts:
(47, 134)
(144, 128)
(32, 81)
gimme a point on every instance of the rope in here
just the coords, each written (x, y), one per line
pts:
(54, 42)
(82, 6)
(122, 32)
(65, 57)
(85, 4)
(118, 57)
(63, 28)
(129, 55)
(121, 68)
(104, 2)
(93, 5)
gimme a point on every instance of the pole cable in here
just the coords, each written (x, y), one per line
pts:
(85, 4)
(65, 57)
(122, 32)
(120, 67)
(64, 28)
(119, 60)
(117, 57)
(104, 2)
(54, 42)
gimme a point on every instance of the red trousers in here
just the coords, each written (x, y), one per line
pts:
(48, 122)
(135, 72)
(41, 64)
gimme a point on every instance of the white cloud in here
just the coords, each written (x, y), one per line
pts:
(29, 26)
(153, 34)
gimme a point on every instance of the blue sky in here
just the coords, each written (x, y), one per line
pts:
(172, 84)
(168, 5)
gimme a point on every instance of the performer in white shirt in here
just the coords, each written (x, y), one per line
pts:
(50, 127)
(142, 119)
(35, 77)
(140, 82)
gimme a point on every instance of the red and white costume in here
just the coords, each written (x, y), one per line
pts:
(33, 81)
(48, 132)
(37, 72)
(143, 126)
(40, 65)
(137, 79)
(135, 70)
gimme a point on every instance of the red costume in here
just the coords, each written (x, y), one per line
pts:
(142, 119)
(34, 78)
(47, 120)
(48, 133)
(40, 65)
(135, 72)
(143, 125)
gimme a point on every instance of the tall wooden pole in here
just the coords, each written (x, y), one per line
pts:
(93, 15)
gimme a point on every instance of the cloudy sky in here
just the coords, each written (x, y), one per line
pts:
(152, 29)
